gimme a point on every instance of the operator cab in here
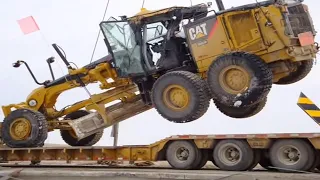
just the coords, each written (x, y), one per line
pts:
(149, 42)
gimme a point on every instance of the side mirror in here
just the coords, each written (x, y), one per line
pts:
(50, 60)
(16, 64)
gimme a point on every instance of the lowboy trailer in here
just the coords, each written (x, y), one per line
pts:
(232, 152)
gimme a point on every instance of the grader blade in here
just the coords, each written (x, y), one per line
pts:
(92, 123)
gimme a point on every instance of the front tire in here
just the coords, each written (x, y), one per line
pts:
(70, 138)
(24, 128)
(181, 96)
(239, 79)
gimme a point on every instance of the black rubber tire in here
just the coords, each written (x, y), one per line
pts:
(193, 156)
(210, 157)
(307, 155)
(303, 70)
(204, 157)
(317, 163)
(197, 161)
(39, 130)
(87, 141)
(260, 86)
(200, 98)
(257, 157)
(241, 112)
(243, 164)
(265, 160)
(312, 160)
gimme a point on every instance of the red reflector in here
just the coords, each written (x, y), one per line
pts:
(306, 39)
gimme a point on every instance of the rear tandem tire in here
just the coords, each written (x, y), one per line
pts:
(239, 150)
(204, 156)
(24, 128)
(241, 112)
(265, 161)
(181, 96)
(257, 157)
(295, 154)
(72, 140)
(239, 78)
(302, 71)
(183, 155)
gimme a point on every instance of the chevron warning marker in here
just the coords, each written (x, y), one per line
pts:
(309, 107)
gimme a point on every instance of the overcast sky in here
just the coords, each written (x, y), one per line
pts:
(73, 24)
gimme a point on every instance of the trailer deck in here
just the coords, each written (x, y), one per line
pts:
(233, 152)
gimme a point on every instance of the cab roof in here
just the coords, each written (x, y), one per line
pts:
(167, 13)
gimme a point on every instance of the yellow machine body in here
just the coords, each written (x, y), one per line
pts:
(262, 31)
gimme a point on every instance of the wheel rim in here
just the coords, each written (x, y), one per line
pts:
(176, 97)
(234, 79)
(182, 154)
(20, 129)
(289, 155)
(230, 154)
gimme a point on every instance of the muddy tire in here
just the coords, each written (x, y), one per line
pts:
(239, 79)
(24, 128)
(70, 138)
(302, 71)
(180, 96)
(182, 155)
(233, 155)
(295, 154)
(241, 112)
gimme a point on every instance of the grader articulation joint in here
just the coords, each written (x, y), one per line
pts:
(175, 60)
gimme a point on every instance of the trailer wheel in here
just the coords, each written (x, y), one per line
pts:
(302, 71)
(295, 154)
(241, 112)
(24, 128)
(210, 158)
(69, 136)
(257, 157)
(316, 162)
(182, 155)
(180, 96)
(233, 155)
(265, 160)
(239, 79)
(204, 156)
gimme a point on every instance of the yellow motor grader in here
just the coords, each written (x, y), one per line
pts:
(175, 60)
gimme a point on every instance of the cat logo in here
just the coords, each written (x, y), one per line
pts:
(198, 31)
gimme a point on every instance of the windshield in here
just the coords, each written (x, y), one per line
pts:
(126, 52)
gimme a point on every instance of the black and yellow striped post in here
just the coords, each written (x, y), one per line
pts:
(309, 107)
